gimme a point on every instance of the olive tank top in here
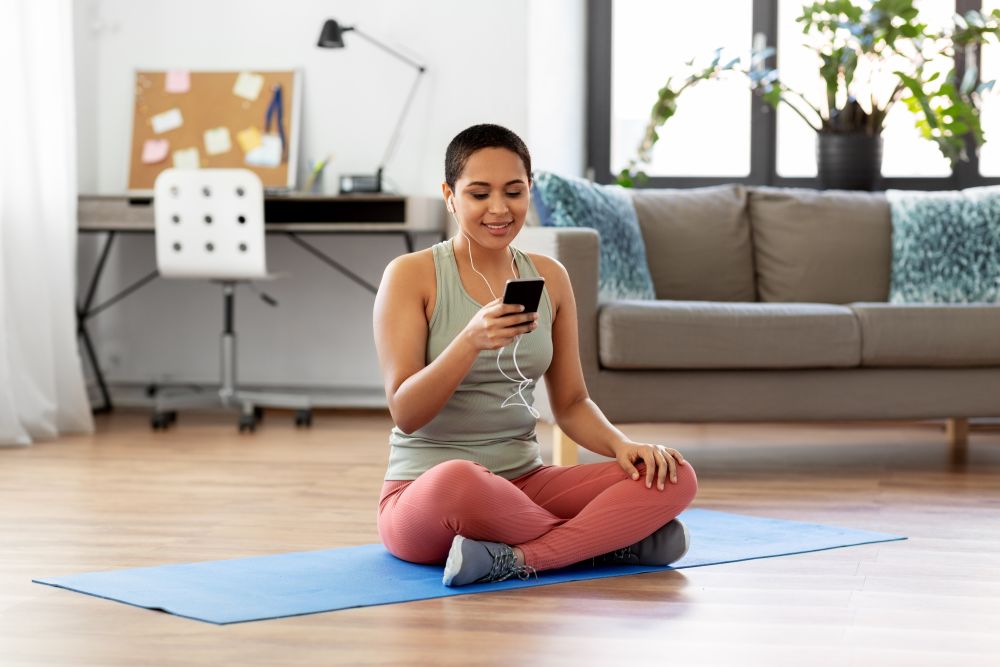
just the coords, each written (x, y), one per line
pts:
(472, 425)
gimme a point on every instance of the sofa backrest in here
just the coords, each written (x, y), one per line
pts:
(820, 246)
(698, 243)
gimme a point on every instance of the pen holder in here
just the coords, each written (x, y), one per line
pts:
(314, 181)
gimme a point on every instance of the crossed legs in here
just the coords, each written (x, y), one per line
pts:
(556, 515)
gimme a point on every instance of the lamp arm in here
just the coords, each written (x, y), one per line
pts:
(385, 48)
(399, 123)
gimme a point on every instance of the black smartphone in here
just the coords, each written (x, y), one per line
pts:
(525, 291)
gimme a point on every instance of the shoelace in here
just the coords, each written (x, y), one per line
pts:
(504, 567)
(616, 555)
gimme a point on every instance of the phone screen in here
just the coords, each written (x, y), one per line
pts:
(525, 291)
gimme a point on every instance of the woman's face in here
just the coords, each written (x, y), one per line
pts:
(491, 197)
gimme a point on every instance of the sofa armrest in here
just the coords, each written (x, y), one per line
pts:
(576, 248)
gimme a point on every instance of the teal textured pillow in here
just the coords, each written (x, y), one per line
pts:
(945, 246)
(563, 201)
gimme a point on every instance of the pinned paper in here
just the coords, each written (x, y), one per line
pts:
(248, 85)
(155, 150)
(168, 120)
(217, 141)
(178, 81)
(248, 139)
(268, 154)
(187, 158)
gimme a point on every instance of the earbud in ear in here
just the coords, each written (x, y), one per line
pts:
(451, 204)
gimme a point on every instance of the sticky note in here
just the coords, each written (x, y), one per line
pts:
(248, 139)
(178, 81)
(168, 120)
(217, 141)
(187, 158)
(248, 85)
(155, 150)
(268, 154)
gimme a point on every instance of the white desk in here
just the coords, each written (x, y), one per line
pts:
(293, 216)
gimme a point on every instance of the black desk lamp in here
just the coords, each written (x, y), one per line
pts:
(332, 37)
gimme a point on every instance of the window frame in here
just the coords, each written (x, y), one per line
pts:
(763, 119)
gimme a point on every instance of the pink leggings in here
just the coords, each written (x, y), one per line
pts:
(557, 515)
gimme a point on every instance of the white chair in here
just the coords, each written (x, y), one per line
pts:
(210, 226)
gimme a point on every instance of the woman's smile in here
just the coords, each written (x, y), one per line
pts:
(498, 229)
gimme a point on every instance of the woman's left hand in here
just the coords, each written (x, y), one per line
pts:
(659, 461)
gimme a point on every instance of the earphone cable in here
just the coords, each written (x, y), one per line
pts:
(524, 382)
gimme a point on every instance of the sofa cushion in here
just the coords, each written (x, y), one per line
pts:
(929, 335)
(658, 335)
(944, 246)
(831, 246)
(697, 242)
(568, 201)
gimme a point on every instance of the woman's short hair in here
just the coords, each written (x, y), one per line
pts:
(472, 139)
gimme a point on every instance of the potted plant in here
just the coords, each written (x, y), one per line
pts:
(883, 38)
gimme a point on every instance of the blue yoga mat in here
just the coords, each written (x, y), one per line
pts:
(291, 584)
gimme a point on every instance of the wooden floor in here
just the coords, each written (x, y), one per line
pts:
(128, 497)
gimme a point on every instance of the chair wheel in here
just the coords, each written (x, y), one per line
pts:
(304, 418)
(162, 420)
(247, 423)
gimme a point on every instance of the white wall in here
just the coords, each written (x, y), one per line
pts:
(556, 86)
(518, 63)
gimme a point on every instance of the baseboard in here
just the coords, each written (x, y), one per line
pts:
(135, 395)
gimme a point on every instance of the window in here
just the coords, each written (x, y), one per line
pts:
(989, 155)
(904, 151)
(651, 40)
(720, 133)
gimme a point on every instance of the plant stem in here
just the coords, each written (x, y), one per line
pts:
(796, 109)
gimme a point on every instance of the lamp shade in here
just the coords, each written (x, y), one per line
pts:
(332, 36)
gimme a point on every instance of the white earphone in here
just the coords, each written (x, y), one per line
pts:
(524, 381)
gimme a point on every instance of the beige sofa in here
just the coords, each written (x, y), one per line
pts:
(771, 306)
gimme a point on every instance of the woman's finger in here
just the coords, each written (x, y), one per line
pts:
(626, 463)
(661, 465)
(649, 456)
(673, 468)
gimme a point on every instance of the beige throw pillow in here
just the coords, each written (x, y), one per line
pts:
(697, 242)
(821, 246)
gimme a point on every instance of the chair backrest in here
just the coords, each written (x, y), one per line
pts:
(209, 224)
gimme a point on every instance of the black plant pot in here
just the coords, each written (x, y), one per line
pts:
(849, 160)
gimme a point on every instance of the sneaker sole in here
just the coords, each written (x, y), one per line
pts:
(687, 541)
(454, 564)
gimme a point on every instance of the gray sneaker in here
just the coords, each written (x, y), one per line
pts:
(667, 545)
(475, 561)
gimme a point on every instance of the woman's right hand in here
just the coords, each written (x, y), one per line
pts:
(497, 324)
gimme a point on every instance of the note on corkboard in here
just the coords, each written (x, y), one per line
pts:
(191, 119)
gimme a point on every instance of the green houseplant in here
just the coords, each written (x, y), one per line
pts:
(854, 43)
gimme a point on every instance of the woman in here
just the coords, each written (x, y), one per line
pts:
(465, 481)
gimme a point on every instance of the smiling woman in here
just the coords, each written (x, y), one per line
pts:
(465, 484)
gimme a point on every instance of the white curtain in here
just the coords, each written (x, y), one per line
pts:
(42, 392)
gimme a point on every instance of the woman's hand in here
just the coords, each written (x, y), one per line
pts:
(497, 324)
(659, 461)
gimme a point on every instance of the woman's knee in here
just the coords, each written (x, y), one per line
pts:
(684, 490)
(456, 473)
(419, 526)
(421, 546)
(687, 479)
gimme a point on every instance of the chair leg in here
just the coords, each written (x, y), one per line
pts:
(957, 429)
(563, 449)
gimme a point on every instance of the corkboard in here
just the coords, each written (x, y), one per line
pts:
(210, 103)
